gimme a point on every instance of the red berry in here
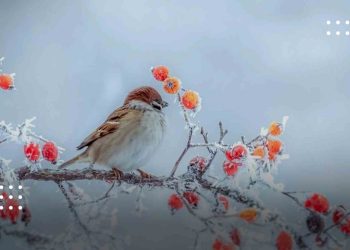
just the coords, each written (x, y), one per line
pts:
(235, 237)
(6, 81)
(318, 203)
(32, 151)
(284, 241)
(12, 210)
(219, 245)
(338, 214)
(175, 202)
(160, 73)
(224, 201)
(231, 168)
(236, 153)
(345, 228)
(192, 198)
(50, 152)
(199, 162)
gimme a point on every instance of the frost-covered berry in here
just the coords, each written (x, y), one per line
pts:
(198, 163)
(231, 168)
(160, 73)
(192, 198)
(50, 152)
(259, 152)
(32, 151)
(274, 146)
(224, 202)
(284, 241)
(275, 129)
(345, 228)
(317, 203)
(238, 152)
(338, 214)
(6, 81)
(175, 202)
(171, 85)
(190, 99)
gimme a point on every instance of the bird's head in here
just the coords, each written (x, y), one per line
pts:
(145, 96)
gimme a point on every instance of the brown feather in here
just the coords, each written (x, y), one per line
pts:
(145, 94)
(109, 126)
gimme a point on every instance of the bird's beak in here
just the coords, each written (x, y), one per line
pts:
(164, 104)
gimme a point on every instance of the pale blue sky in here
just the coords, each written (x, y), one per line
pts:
(251, 61)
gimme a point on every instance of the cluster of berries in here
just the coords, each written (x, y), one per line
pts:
(172, 85)
(49, 152)
(319, 204)
(273, 146)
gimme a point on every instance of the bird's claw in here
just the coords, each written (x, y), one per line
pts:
(117, 173)
(145, 176)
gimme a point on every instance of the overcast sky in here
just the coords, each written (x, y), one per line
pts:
(252, 61)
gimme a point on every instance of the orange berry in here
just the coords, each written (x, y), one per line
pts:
(248, 214)
(171, 85)
(272, 156)
(274, 146)
(6, 81)
(160, 73)
(275, 128)
(259, 152)
(190, 99)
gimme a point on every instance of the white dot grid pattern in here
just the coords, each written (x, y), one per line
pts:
(20, 197)
(338, 32)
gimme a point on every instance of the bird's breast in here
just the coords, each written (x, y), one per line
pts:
(136, 140)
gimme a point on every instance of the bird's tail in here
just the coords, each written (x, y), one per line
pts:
(83, 157)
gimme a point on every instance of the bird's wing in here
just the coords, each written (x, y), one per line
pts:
(109, 126)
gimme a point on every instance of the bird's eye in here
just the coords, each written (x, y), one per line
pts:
(156, 105)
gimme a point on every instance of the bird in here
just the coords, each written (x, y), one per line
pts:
(129, 136)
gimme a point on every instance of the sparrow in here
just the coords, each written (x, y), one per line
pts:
(129, 136)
